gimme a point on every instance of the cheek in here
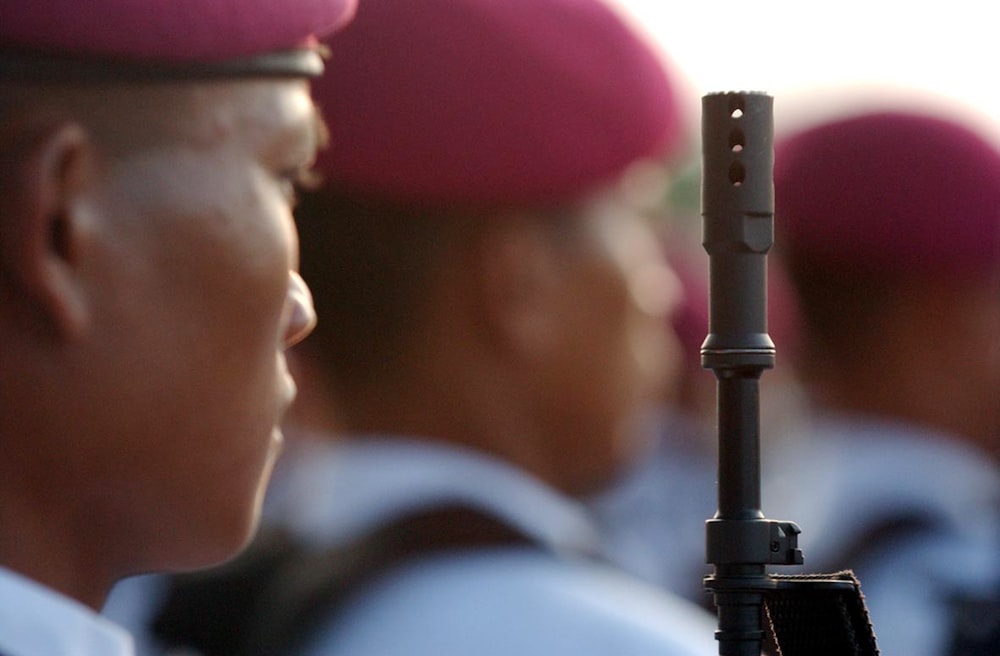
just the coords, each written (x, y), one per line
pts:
(246, 308)
(619, 359)
(222, 369)
(231, 281)
(639, 353)
(655, 355)
(216, 257)
(212, 287)
(641, 292)
(246, 249)
(614, 353)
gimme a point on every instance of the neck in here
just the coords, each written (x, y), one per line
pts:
(47, 548)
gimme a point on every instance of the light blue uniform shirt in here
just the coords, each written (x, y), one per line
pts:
(843, 476)
(36, 621)
(505, 601)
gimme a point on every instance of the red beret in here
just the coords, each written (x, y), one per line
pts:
(483, 101)
(167, 33)
(889, 193)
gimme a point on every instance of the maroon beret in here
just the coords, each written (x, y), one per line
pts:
(165, 35)
(484, 101)
(889, 193)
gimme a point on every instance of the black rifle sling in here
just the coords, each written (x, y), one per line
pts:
(976, 626)
(270, 599)
(825, 614)
(976, 619)
(819, 615)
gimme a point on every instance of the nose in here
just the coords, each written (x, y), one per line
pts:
(302, 317)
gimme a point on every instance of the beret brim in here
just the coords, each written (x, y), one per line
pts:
(42, 67)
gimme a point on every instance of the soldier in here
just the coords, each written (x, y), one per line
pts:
(888, 223)
(492, 315)
(148, 290)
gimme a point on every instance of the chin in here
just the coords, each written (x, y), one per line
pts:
(220, 546)
(226, 537)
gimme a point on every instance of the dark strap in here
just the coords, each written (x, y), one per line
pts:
(825, 614)
(272, 597)
(819, 615)
(976, 626)
(809, 617)
(885, 535)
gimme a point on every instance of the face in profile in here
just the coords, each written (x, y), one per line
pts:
(617, 349)
(196, 300)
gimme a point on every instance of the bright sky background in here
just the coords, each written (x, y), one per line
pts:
(807, 53)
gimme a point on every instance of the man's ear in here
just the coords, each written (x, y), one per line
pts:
(518, 277)
(43, 171)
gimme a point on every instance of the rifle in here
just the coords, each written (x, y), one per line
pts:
(812, 614)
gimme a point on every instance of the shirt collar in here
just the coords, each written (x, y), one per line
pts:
(37, 620)
(339, 490)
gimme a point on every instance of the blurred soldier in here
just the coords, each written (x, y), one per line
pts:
(147, 291)
(889, 224)
(492, 313)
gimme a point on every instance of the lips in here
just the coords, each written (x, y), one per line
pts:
(289, 390)
(286, 388)
(303, 312)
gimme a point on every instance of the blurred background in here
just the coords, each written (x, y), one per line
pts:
(808, 54)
